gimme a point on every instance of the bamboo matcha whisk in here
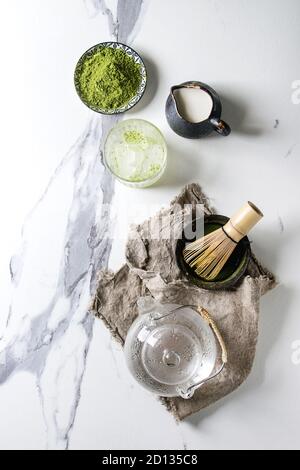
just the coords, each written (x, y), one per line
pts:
(209, 254)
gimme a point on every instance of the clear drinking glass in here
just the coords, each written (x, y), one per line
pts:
(135, 152)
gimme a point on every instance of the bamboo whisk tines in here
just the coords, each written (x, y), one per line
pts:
(208, 255)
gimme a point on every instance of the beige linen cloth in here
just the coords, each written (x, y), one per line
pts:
(151, 270)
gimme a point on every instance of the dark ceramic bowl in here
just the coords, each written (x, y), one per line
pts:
(234, 269)
(135, 56)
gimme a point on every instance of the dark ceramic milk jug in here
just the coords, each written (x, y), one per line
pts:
(206, 109)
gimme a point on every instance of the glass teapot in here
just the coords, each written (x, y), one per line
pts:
(172, 350)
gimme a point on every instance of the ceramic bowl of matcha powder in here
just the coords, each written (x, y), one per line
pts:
(110, 78)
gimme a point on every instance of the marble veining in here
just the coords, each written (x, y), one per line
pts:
(65, 242)
(94, 7)
(290, 151)
(123, 25)
(281, 224)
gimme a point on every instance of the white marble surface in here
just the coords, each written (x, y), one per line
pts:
(63, 380)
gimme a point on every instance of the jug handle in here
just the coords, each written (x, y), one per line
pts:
(221, 127)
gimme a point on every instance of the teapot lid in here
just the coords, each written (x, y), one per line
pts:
(170, 349)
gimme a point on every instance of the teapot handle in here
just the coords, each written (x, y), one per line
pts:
(205, 315)
(188, 393)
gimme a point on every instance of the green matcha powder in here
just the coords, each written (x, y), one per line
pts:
(108, 79)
